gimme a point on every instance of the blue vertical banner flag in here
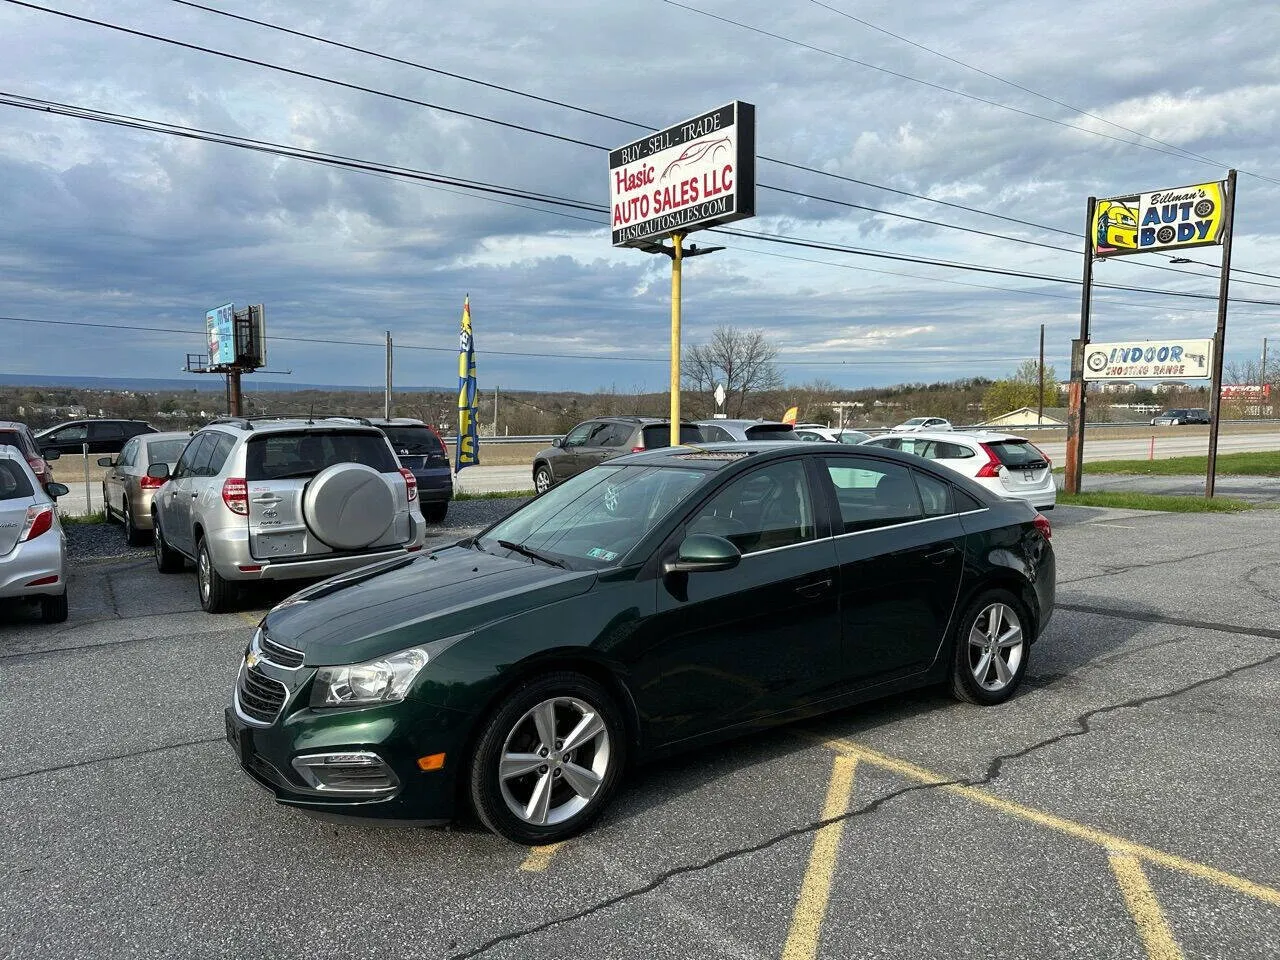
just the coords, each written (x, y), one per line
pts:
(468, 452)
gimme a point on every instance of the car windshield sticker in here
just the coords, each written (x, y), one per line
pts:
(600, 553)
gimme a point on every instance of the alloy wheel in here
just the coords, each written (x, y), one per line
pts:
(996, 647)
(542, 481)
(554, 760)
(204, 573)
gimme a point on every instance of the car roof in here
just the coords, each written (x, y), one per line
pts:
(13, 425)
(265, 425)
(166, 435)
(740, 423)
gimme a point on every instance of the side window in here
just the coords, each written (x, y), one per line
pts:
(221, 450)
(599, 435)
(576, 436)
(890, 443)
(767, 508)
(714, 434)
(129, 454)
(873, 494)
(951, 451)
(964, 502)
(195, 449)
(935, 495)
(107, 431)
(613, 435)
(76, 433)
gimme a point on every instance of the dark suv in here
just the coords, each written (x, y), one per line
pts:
(598, 440)
(102, 436)
(1181, 416)
(420, 449)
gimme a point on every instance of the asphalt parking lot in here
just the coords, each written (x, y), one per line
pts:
(1123, 805)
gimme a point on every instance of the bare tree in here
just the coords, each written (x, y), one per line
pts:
(743, 360)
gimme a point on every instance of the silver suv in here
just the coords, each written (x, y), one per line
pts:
(275, 499)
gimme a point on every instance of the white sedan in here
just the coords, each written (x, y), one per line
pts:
(1008, 465)
(33, 547)
(919, 424)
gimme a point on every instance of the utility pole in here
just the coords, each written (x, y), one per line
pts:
(1263, 399)
(1076, 404)
(1040, 420)
(386, 401)
(1220, 338)
(233, 392)
(495, 410)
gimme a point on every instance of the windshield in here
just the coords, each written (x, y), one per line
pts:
(594, 519)
(166, 451)
(916, 421)
(414, 441)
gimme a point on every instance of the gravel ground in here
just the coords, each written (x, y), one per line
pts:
(100, 541)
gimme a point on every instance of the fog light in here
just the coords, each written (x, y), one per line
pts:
(349, 772)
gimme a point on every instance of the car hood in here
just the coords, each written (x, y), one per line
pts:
(400, 603)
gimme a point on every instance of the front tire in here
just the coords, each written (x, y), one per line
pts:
(54, 609)
(542, 481)
(216, 593)
(167, 560)
(991, 649)
(549, 759)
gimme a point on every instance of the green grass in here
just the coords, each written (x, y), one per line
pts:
(494, 495)
(1265, 464)
(87, 518)
(1152, 501)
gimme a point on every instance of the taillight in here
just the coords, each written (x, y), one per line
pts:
(1043, 525)
(992, 467)
(410, 483)
(637, 449)
(148, 482)
(235, 494)
(37, 465)
(39, 520)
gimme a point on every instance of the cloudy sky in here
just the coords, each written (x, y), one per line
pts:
(1047, 104)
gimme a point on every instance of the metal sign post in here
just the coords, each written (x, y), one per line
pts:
(1219, 337)
(677, 256)
(1077, 401)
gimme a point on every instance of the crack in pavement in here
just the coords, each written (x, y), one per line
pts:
(1109, 570)
(994, 769)
(9, 778)
(1143, 617)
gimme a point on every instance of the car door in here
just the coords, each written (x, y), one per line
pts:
(69, 439)
(739, 646)
(604, 440)
(571, 462)
(119, 475)
(900, 566)
(177, 494)
(106, 437)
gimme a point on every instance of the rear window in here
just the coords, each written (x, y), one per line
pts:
(165, 451)
(13, 481)
(770, 431)
(659, 435)
(414, 441)
(12, 438)
(281, 456)
(1017, 453)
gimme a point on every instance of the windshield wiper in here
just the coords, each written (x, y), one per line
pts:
(528, 552)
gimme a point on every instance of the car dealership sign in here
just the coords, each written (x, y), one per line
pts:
(1175, 219)
(1149, 360)
(690, 176)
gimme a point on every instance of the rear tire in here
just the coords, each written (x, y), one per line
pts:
(216, 594)
(54, 609)
(575, 786)
(435, 513)
(132, 535)
(106, 506)
(167, 560)
(991, 649)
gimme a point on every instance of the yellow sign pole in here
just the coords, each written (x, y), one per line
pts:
(677, 254)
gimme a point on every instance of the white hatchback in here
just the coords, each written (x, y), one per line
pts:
(1004, 463)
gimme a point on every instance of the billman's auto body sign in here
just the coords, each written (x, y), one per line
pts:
(1149, 360)
(1175, 219)
(693, 175)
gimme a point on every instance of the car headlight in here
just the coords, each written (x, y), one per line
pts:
(382, 680)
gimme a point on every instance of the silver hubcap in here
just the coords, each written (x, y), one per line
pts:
(554, 760)
(995, 647)
(203, 572)
(542, 482)
(157, 543)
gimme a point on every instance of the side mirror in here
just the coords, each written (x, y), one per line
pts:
(57, 490)
(558, 442)
(51, 455)
(158, 471)
(106, 461)
(703, 553)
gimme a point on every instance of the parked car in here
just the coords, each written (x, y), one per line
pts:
(276, 499)
(601, 439)
(724, 431)
(127, 489)
(813, 433)
(19, 435)
(33, 547)
(1180, 416)
(1007, 465)
(916, 424)
(852, 436)
(102, 436)
(420, 449)
(652, 604)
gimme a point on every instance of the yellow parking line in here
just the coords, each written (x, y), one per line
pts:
(1106, 840)
(815, 890)
(1144, 908)
(539, 858)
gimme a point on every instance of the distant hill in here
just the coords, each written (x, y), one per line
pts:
(204, 384)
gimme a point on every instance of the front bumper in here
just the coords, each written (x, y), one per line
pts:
(38, 559)
(288, 756)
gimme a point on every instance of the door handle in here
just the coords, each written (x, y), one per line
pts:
(940, 555)
(195, 496)
(816, 589)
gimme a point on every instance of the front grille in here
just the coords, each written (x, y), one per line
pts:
(278, 653)
(259, 696)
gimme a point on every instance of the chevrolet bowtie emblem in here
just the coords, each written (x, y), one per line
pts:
(251, 658)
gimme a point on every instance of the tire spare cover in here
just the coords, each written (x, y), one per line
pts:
(348, 506)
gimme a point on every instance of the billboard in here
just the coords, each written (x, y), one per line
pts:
(1175, 219)
(220, 327)
(690, 176)
(1254, 392)
(1149, 360)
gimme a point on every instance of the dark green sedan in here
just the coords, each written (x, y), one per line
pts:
(658, 602)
